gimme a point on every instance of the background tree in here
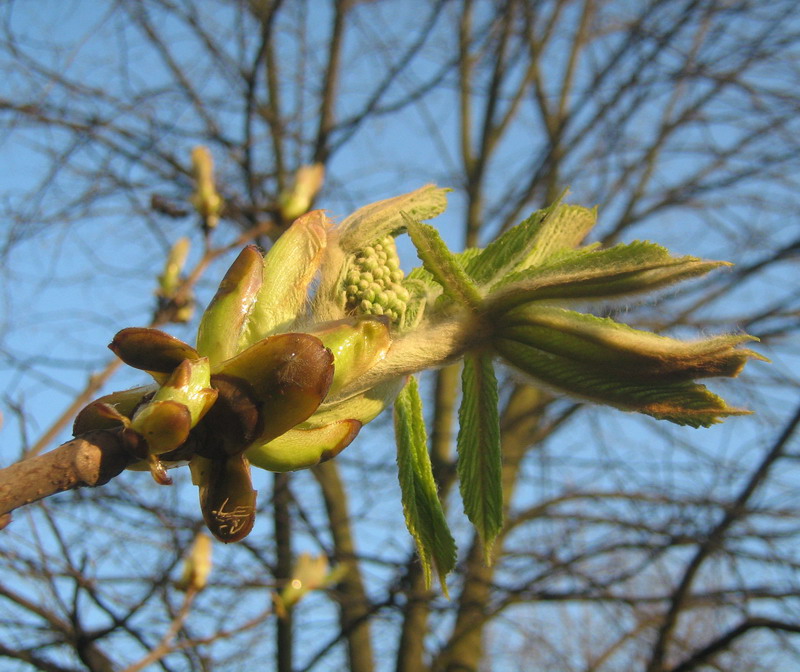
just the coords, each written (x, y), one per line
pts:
(627, 543)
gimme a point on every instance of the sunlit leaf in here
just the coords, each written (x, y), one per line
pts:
(288, 270)
(376, 220)
(606, 344)
(532, 241)
(423, 511)
(442, 264)
(684, 403)
(622, 270)
(479, 459)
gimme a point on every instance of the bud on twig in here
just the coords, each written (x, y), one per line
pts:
(196, 565)
(206, 200)
(297, 200)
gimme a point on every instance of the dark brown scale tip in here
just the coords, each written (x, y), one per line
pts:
(228, 499)
(151, 349)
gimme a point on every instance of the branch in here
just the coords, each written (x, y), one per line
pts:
(354, 604)
(715, 539)
(725, 640)
(165, 645)
(90, 460)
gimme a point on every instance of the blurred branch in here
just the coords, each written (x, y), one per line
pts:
(713, 542)
(354, 604)
(164, 647)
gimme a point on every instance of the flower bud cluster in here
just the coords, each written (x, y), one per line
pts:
(373, 284)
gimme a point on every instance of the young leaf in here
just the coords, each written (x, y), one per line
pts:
(682, 402)
(479, 461)
(622, 270)
(609, 345)
(564, 227)
(442, 263)
(503, 254)
(288, 270)
(423, 511)
(380, 219)
(531, 242)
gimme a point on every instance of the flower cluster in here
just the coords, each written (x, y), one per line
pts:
(374, 282)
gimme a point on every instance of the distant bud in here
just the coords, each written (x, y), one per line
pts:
(205, 199)
(169, 280)
(307, 183)
(310, 573)
(196, 565)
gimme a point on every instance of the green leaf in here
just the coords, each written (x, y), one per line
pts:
(376, 220)
(607, 344)
(621, 270)
(423, 511)
(479, 459)
(681, 402)
(532, 242)
(442, 263)
(289, 268)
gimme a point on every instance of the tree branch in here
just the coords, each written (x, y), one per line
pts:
(89, 460)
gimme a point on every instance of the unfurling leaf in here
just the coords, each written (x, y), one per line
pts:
(288, 271)
(682, 402)
(479, 459)
(377, 220)
(423, 511)
(530, 243)
(609, 345)
(442, 264)
(591, 274)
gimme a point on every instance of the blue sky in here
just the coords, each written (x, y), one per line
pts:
(68, 289)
